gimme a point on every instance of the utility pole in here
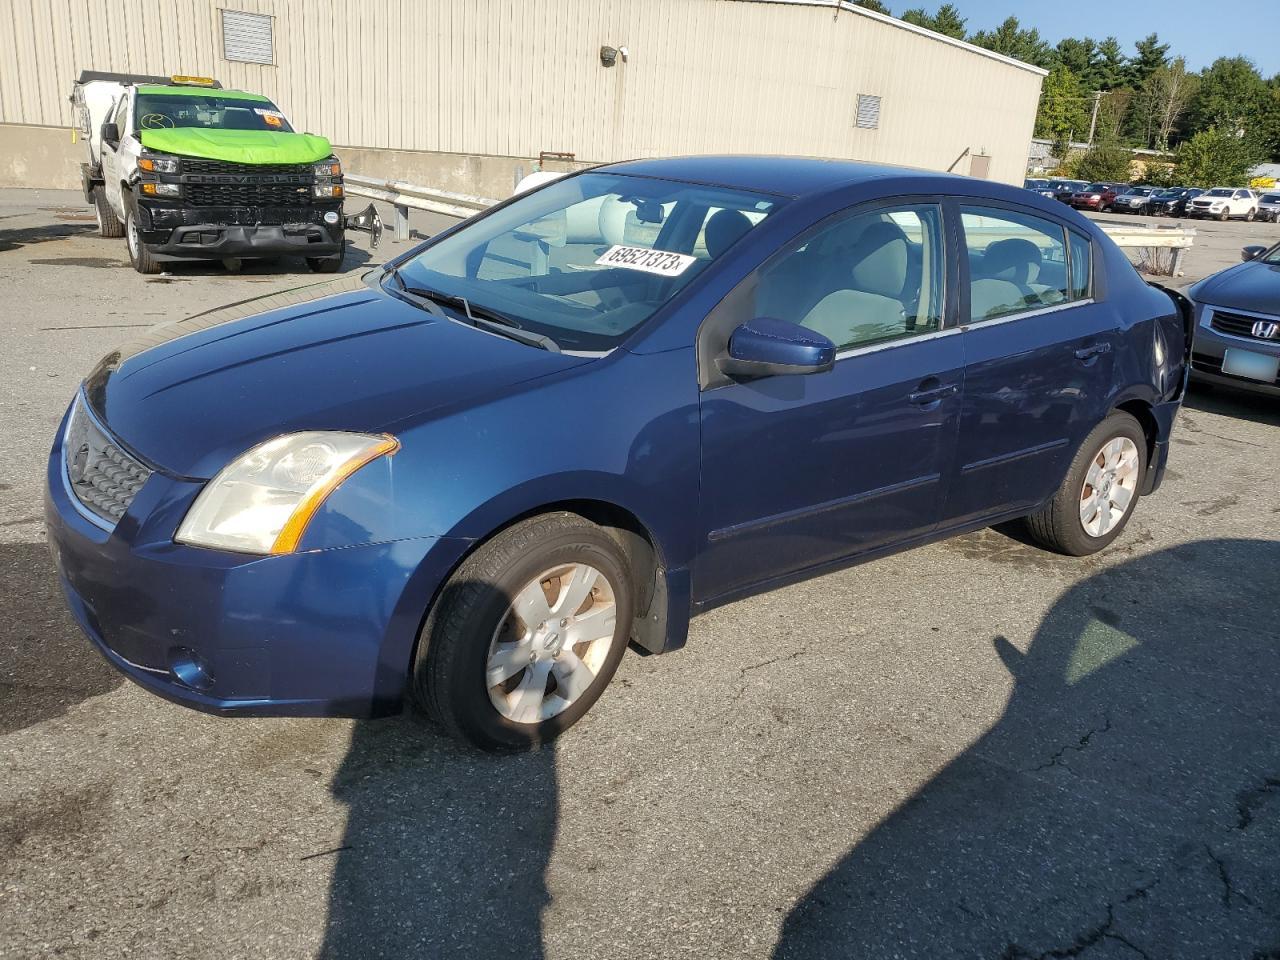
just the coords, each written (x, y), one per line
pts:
(1093, 120)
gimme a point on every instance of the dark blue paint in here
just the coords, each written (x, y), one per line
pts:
(740, 487)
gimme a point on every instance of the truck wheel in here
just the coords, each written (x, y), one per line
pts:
(108, 224)
(139, 255)
(326, 264)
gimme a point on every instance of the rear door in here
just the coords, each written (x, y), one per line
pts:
(1039, 353)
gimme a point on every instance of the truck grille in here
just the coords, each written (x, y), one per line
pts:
(247, 194)
(102, 477)
(1235, 324)
(194, 165)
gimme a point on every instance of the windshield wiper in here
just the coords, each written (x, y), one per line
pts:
(482, 318)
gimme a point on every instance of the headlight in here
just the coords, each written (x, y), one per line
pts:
(161, 190)
(327, 190)
(262, 501)
(158, 164)
(330, 168)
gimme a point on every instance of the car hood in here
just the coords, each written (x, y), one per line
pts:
(338, 355)
(1251, 286)
(238, 146)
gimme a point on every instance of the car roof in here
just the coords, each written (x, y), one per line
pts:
(781, 176)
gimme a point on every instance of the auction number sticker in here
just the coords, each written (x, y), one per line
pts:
(661, 262)
(273, 118)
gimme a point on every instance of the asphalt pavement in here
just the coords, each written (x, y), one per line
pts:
(975, 749)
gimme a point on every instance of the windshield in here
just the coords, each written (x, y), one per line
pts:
(1220, 192)
(587, 259)
(1271, 198)
(158, 111)
(1097, 188)
(1169, 194)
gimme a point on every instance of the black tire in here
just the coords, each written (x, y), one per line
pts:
(448, 680)
(1249, 215)
(1225, 215)
(108, 224)
(139, 255)
(326, 264)
(1057, 525)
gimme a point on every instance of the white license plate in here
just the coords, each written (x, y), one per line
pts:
(1254, 366)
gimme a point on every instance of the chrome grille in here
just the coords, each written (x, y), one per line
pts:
(1236, 324)
(102, 477)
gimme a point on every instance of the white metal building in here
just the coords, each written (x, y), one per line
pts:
(461, 93)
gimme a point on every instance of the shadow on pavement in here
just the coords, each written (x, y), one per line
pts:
(1127, 803)
(445, 849)
(46, 664)
(1234, 403)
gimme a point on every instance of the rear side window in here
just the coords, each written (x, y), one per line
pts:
(1017, 263)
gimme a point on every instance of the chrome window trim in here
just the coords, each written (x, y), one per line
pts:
(1037, 312)
(899, 342)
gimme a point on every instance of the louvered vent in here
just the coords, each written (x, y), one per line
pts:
(246, 37)
(868, 112)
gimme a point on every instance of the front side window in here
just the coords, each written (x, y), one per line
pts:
(1017, 262)
(163, 111)
(587, 259)
(861, 279)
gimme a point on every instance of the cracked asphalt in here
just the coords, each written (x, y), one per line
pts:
(975, 749)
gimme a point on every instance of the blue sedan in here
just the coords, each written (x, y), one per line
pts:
(470, 478)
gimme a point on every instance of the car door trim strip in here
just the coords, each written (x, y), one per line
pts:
(750, 526)
(1015, 455)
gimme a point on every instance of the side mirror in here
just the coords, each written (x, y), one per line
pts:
(1252, 252)
(768, 347)
(110, 133)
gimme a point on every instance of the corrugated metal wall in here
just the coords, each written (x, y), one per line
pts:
(514, 77)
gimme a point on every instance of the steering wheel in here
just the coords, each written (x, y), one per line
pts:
(155, 121)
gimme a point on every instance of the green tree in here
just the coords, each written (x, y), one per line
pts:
(1080, 56)
(1216, 158)
(1231, 94)
(1112, 68)
(1011, 40)
(874, 5)
(1105, 161)
(1151, 56)
(946, 21)
(1064, 111)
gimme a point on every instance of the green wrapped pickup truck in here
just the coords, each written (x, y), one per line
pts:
(185, 169)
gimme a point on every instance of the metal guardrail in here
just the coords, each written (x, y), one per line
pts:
(402, 195)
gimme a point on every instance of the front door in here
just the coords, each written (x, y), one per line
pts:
(798, 471)
(1039, 359)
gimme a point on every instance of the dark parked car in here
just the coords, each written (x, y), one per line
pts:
(1096, 196)
(1269, 207)
(1132, 200)
(470, 477)
(1237, 340)
(1064, 190)
(1172, 201)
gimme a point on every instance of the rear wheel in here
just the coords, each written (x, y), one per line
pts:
(1099, 493)
(1250, 214)
(108, 224)
(139, 255)
(526, 635)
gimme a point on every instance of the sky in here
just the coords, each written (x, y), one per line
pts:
(1199, 31)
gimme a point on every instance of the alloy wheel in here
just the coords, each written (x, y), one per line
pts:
(551, 643)
(1110, 485)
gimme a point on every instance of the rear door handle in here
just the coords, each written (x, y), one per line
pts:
(1093, 350)
(933, 394)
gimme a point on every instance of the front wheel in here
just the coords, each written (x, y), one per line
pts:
(139, 255)
(1224, 216)
(1098, 495)
(526, 635)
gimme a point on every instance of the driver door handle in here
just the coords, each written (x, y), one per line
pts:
(925, 395)
(1093, 350)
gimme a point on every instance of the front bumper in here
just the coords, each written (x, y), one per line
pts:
(319, 633)
(215, 232)
(1087, 204)
(1210, 349)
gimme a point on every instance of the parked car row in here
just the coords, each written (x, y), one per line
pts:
(1219, 203)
